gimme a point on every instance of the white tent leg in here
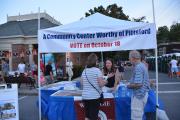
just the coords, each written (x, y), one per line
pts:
(157, 80)
(39, 69)
(157, 103)
(102, 60)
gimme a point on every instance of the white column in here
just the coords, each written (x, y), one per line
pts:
(31, 55)
(10, 59)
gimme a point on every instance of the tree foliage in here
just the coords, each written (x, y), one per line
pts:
(169, 35)
(163, 34)
(111, 10)
(174, 34)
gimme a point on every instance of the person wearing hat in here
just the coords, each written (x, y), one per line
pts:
(139, 84)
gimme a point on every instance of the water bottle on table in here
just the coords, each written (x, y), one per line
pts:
(122, 90)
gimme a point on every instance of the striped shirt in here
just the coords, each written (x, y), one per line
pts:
(140, 75)
(92, 74)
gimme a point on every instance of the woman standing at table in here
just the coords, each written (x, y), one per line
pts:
(92, 81)
(113, 75)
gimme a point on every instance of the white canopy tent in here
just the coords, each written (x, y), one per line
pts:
(98, 33)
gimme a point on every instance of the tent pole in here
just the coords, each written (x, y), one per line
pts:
(102, 60)
(39, 69)
(156, 69)
(44, 61)
(157, 80)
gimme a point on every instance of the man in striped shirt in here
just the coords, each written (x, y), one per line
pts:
(140, 85)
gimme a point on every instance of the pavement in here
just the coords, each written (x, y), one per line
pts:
(169, 93)
(28, 109)
(26, 90)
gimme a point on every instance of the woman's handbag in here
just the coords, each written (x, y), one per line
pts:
(101, 98)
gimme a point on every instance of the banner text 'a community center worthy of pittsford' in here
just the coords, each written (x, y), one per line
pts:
(98, 35)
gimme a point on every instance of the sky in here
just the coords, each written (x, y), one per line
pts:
(167, 12)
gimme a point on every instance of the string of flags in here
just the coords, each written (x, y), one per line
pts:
(8, 54)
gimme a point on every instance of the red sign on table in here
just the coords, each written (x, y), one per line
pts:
(106, 112)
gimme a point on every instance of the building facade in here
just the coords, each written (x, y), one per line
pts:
(18, 37)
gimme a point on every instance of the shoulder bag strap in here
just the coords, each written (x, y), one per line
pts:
(91, 83)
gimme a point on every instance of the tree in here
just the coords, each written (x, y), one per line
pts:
(163, 34)
(140, 19)
(111, 10)
(166, 35)
(174, 34)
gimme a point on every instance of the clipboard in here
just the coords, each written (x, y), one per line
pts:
(9, 102)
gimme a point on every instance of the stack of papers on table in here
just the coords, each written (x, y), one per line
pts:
(68, 93)
(64, 85)
(77, 94)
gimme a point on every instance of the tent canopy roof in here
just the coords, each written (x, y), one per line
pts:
(96, 23)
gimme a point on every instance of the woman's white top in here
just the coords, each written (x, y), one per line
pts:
(89, 92)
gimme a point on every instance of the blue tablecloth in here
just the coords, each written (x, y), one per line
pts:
(62, 108)
(123, 106)
(45, 97)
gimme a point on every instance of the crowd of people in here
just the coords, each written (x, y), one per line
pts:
(92, 82)
(23, 69)
(47, 76)
(93, 79)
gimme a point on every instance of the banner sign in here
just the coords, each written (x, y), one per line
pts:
(127, 39)
(9, 102)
